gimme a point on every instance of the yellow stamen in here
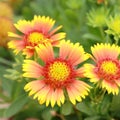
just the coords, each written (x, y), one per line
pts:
(59, 71)
(35, 38)
(109, 67)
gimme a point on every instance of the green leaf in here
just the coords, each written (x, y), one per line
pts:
(12, 74)
(2, 112)
(85, 108)
(2, 71)
(105, 104)
(16, 106)
(115, 105)
(92, 37)
(67, 108)
(46, 115)
(93, 118)
(3, 97)
(7, 86)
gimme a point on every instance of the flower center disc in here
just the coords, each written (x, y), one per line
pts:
(59, 71)
(35, 38)
(109, 67)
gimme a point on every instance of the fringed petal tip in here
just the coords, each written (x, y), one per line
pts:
(111, 88)
(78, 91)
(32, 69)
(103, 51)
(44, 93)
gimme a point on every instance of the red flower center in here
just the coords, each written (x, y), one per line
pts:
(34, 38)
(108, 70)
(58, 73)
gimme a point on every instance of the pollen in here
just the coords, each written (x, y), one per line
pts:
(109, 67)
(59, 71)
(35, 38)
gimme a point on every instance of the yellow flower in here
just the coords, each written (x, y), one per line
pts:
(6, 26)
(38, 31)
(57, 75)
(106, 70)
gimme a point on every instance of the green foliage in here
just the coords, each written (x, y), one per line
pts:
(16, 106)
(86, 108)
(67, 108)
(97, 17)
(84, 21)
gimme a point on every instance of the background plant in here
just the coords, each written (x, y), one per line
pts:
(81, 23)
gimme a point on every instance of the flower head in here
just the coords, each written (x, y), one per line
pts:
(6, 25)
(97, 17)
(57, 75)
(113, 25)
(106, 70)
(38, 31)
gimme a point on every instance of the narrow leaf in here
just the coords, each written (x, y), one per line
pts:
(16, 106)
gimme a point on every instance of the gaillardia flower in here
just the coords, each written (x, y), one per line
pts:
(38, 31)
(106, 70)
(57, 75)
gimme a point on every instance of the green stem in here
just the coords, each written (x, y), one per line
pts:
(35, 56)
(97, 95)
(102, 33)
(107, 39)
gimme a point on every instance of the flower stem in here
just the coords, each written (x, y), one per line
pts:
(102, 33)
